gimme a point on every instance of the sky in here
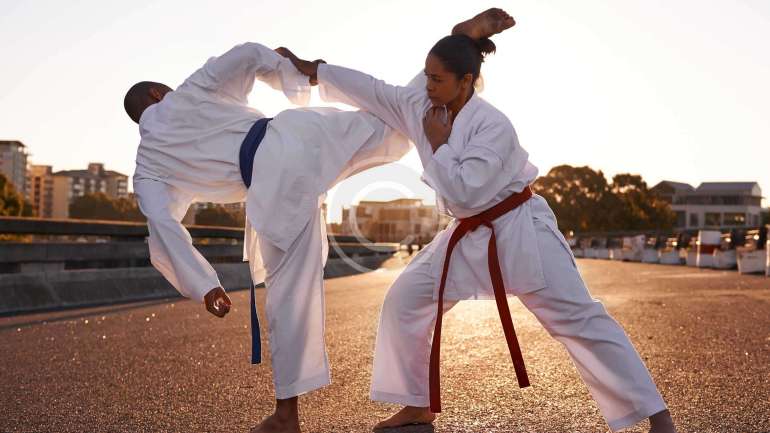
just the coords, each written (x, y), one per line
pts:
(672, 90)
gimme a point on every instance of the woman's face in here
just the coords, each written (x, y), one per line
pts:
(442, 85)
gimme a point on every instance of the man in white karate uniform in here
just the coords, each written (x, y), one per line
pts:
(202, 142)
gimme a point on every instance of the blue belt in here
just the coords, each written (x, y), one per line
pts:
(246, 163)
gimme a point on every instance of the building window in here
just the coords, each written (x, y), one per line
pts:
(713, 219)
(681, 219)
(735, 219)
(694, 220)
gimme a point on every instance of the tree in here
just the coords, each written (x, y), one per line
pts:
(220, 216)
(641, 209)
(101, 207)
(579, 196)
(583, 201)
(11, 202)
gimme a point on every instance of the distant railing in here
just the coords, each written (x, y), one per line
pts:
(115, 229)
(122, 245)
(51, 264)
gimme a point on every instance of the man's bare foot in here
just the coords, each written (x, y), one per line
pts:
(285, 419)
(488, 23)
(661, 422)
(276, 424)
(406, 416)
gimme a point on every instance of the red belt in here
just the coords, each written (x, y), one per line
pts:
(468, 225)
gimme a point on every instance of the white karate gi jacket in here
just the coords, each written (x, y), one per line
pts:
(481, 164)
(189, 151)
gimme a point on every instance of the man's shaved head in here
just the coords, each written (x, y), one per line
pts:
(141, 95)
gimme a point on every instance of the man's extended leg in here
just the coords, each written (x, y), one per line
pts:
(296, 314)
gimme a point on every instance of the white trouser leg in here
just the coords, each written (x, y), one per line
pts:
(603, 354)
(296, 313)
(402, 350)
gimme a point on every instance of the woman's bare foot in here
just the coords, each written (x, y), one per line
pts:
(406, 416)
(488, 23)
(661, 422)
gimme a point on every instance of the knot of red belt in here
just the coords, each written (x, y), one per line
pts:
(466, 225)
(472, 223)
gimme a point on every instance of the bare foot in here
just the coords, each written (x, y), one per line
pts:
(276, 424)
(488, 23)
(661, 422)
(406, 416)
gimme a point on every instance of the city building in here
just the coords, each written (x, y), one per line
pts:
(191, 217)
(13, 164)
(403, 220)
(713, 204)
(78, 183)
(48, 193)
(232, 207)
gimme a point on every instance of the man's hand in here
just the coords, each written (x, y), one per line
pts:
(437, 124)
(217, 302)
(303, 66)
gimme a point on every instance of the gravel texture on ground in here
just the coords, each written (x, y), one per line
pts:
(169, 366)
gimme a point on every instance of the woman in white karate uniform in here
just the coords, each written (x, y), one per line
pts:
(472, 158)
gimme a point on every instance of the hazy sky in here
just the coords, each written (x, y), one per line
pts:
(676, 90)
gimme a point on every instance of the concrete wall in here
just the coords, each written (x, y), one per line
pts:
(116, 267)
(51, 289)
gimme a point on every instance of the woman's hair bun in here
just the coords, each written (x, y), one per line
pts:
(486, 46)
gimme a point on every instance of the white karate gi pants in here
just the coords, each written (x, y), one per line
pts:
(609, 365)
(296, 312)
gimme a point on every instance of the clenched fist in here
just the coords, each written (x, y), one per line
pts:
(217, 302)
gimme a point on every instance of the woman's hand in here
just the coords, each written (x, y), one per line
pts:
(303, 66)
(437, 124)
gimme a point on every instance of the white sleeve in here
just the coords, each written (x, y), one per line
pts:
(386, 146)
(473, 177)
(397, 106)
(232, 74)
(171, 249)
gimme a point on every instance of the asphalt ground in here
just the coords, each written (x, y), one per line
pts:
(169, 366)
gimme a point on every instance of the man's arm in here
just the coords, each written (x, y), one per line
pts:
(171, 249)
(233, 73)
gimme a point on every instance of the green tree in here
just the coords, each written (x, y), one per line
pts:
(101, 207)
(583, 201)
(220, 216)
(640, 208)
(579, 196)
(11, 202)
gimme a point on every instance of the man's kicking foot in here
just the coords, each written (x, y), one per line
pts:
(284, 420)
(406, 416)
(488, 23)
